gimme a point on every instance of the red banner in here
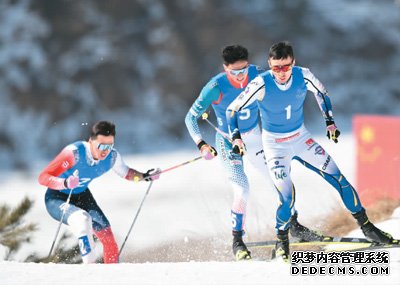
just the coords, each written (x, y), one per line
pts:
(378, 157)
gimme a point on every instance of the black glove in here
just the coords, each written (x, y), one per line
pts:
(238, 146)
(152, 174)
(332, 131)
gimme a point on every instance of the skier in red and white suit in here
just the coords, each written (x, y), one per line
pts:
(72, 170)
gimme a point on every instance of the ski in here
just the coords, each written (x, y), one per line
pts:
(329, 244)
(324, 241)
(371, 246)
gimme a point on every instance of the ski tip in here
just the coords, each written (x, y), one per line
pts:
(327, 238)
(273, 254)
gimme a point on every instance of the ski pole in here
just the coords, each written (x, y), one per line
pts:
(136, 178)
(147, 192)
(181, 164)
(134, 220)
(76, 172)
(204, 116)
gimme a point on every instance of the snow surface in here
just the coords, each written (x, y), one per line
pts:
(187, 204)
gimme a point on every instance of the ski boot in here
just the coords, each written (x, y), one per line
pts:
(371, 232)
(240, 250)
(303, 233)
(282, 245)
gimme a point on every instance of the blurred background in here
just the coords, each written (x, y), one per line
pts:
(66, 64)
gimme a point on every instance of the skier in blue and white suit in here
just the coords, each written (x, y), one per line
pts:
(219, 92)
(280, 93)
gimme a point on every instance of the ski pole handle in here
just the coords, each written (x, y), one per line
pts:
(76, 173)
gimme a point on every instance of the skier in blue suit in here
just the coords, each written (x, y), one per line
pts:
(280, 93)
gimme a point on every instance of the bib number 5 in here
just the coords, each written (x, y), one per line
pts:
(244, 114)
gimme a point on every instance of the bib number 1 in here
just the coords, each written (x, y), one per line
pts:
(288, 112)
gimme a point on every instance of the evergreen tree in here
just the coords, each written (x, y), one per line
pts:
(13, 231)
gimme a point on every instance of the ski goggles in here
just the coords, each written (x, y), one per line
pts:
(282, 68)
(237, 72)
(105, 147)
